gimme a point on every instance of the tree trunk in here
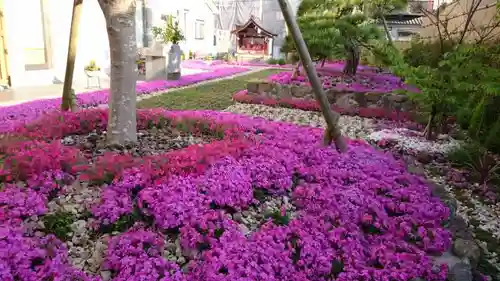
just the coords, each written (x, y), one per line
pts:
(386, 29)
(428, 132)
(323, 62)
(352, 61)
(68, 98)
(120, 23)
(296, 71)
(332, 132)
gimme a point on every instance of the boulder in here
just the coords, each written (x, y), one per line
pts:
(283, 91)
(464, 248)
(346, 101)
(259, 86)
(373, 97)
(461, 271)
(301, 91)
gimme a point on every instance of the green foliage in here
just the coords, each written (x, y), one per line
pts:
(281, 61)
(272, 61)
(92, 66)
(426, 53)
(170, 32)
(462, 82)
(59, 224)
(332, 28)
(476, 158)
(279, 218)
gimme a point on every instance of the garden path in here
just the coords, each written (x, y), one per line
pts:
(32, 93)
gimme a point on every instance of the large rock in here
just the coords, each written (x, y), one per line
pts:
(461, 271)
(464, 248)
(259, 86)
(283, 91)
(301, 91)
(373, 97)
(347, 101)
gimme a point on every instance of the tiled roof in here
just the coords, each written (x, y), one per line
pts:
(415, 21)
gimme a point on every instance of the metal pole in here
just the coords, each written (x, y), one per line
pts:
(332, 132)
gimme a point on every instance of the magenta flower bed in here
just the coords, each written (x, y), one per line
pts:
(359, 215)
(204, 64)
(361, 83)
(312, 105)
(12, 116)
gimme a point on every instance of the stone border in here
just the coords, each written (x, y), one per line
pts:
(312, 105)
(463, 257)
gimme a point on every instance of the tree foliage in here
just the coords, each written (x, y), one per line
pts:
(337, 29)
(170, 32)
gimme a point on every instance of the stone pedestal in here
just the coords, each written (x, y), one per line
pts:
(156, 62)
(174, 62)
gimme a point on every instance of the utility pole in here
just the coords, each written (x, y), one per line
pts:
(332, 132)
(261, 11)
(68, 101)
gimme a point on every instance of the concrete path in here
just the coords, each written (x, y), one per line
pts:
(54, 91)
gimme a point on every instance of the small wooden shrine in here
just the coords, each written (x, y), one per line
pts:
(253, 39)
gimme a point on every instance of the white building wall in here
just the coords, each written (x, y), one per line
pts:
(188, 12)
(93, 41)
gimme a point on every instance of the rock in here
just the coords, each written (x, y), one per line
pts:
(467, 249)
(347, 101)
(300, 91)
(441, 192)
(373, 97)
(237, 217)
(259, 87)
(447, 258)
(106, 275)
(424, 157)
(244, 229)
(461, 271)
(416, 170)
(331, 95)
(398, 98)
(459, 228)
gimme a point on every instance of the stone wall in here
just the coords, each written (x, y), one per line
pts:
(350, 101)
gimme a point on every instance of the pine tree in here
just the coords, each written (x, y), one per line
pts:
(335, 29)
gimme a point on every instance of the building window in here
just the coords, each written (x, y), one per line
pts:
(184, 24)
(37, 40)
(199, 28)
(405, 35)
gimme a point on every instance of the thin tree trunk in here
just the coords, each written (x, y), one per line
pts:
(68, 99)
(323, 62)
(332, 132)
(296, 71)
(386, 29)
(120, 23)
(352, 61)
(428, 132)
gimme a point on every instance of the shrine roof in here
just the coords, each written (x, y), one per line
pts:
(253, 21)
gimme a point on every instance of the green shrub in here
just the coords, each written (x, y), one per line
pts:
(474, 157)
(281, 61)
(59, 224)
(426, 53)
(272, 61)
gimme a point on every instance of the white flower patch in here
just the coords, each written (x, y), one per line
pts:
(352, 126)
(413, 140)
